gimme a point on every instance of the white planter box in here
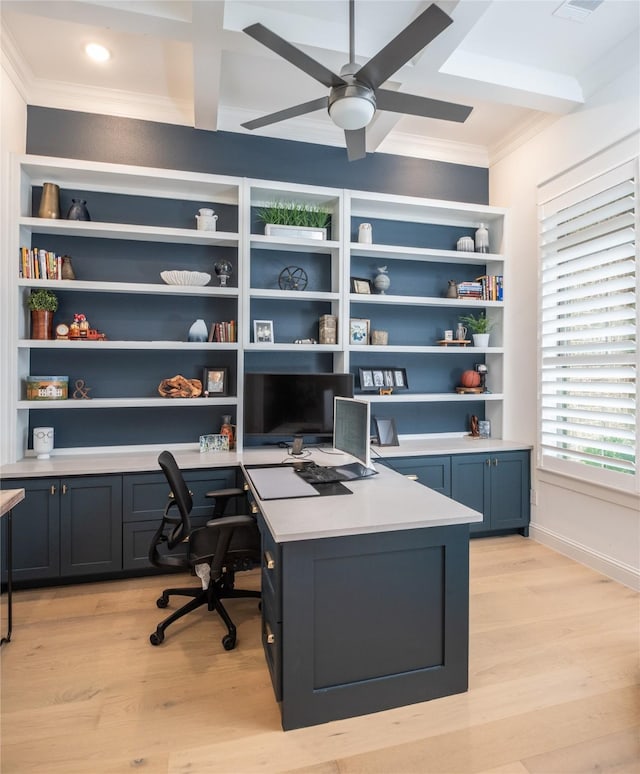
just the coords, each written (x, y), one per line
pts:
(295, 232)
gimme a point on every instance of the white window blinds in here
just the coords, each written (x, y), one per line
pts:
(588, 316)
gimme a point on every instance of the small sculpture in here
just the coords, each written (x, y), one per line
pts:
(223, 271)
(293, 278)
(179, 387)
(381, 281)
(474, 426)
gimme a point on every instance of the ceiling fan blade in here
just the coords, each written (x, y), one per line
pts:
(396, 102)
(356, 146)
(405, 45)
(293, 55)
(292, 112)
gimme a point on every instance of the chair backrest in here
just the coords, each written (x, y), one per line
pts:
(181, 498)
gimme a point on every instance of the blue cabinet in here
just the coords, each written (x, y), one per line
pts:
(67, 527)
(496, 484)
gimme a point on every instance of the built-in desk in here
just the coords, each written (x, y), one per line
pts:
(365, 598)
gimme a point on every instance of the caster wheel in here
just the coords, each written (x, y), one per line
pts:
(228, 642)
(162, 602)
(156, 638)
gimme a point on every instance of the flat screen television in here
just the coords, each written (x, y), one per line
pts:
(288, 405)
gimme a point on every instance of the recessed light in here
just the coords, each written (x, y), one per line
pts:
(97, 52)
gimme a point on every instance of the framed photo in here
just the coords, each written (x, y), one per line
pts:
(400, 378)
(378, 378)
(358, 331)
(215, 382)
(263, 331)
(386, 431)
(360, 285)
(366, 379)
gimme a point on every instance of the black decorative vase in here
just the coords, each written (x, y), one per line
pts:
(78, 210)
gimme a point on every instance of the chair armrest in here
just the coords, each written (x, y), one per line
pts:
(240, 520)
(234, 492)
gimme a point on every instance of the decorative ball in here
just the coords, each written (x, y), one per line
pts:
(470, 379)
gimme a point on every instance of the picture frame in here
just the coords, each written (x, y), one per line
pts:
(263, 332)
(386, 432)
(359, 331)
(361, 285)
(383, 377)
(215, 381)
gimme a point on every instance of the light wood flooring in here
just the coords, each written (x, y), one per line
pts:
(553, 685)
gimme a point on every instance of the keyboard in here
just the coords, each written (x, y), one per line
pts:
(313, 473)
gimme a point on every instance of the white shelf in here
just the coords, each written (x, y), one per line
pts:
(261, 242)
(136, 233)
(86, 286)
(430, 397)
(425, 350)
(114, 403)
(280, 347)
(366, 298)
(392, 252)
(294, 295)
(120, 345)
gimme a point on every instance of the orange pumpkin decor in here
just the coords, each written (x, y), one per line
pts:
(470, 379)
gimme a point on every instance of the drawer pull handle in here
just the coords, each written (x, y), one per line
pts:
(411, 476)
(254, 508)
(269, 635)
(52, 489)
(269, 561)
(64, 489)
(488, 461)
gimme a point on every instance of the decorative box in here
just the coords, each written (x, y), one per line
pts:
(215, 442)
(47, 387)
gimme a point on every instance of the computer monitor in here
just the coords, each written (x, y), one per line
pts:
(351, 428)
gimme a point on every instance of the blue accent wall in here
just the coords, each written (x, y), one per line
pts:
(76, 135)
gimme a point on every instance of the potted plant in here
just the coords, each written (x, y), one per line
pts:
(480, 327)
(294, 219)
(42, 303)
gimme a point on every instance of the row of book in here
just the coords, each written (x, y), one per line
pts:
(223, 331)
(486, 288)
(39, 264)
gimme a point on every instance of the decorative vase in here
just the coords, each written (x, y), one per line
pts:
(67, 268)
(227, 430)
(43, 442)
(78, 210)
(41, 324)
(206, 220)
(452, 290)
(381, 281)
(198, 331)
(50, 201)
(365, 234)
(482, 239)
(481, 339)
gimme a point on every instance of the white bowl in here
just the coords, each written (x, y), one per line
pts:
(176, 277)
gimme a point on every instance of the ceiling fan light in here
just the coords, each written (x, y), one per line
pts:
(352, 112)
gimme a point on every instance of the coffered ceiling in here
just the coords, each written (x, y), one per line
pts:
(518, 63)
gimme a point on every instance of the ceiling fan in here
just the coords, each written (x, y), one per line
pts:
(355, 94)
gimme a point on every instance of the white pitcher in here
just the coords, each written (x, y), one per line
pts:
(461, 333)
(206, 220)
(365, 235)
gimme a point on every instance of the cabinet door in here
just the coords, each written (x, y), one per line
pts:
(509, 490)
(36, 530)
(470, 485)
(434, 472)
(90, 525)
(145, 497)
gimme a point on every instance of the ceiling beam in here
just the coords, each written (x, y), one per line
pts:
(207, 38)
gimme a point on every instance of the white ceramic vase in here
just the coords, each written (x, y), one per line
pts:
(198, 331)
(381, 281)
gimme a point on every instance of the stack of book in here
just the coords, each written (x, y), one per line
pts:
(467, 290)
(328, 329)
(491, 287)
(39, 264)
(223, 331)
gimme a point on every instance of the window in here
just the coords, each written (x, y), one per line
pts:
(588, 317)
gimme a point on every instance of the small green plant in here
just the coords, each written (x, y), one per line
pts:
(478, 324)
(42, 300)
(292, 214)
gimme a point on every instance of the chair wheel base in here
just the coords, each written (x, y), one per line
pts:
(229, 642)
(162, 601)
(156, 638)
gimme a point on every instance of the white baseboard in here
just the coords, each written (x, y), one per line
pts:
(623, 573)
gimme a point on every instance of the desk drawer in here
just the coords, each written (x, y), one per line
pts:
(272, 645)
(271, 572)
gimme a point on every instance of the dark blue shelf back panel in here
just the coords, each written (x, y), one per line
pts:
(267, 265)
(409, 278)
(430, 417)
(292, 319)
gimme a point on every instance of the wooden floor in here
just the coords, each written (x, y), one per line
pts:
(553, 685)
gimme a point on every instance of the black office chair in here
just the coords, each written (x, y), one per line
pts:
(227, 543)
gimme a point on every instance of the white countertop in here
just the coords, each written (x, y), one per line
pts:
(383, 503)
(147, 460)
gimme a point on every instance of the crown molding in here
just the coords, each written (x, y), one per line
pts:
(520, 135)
